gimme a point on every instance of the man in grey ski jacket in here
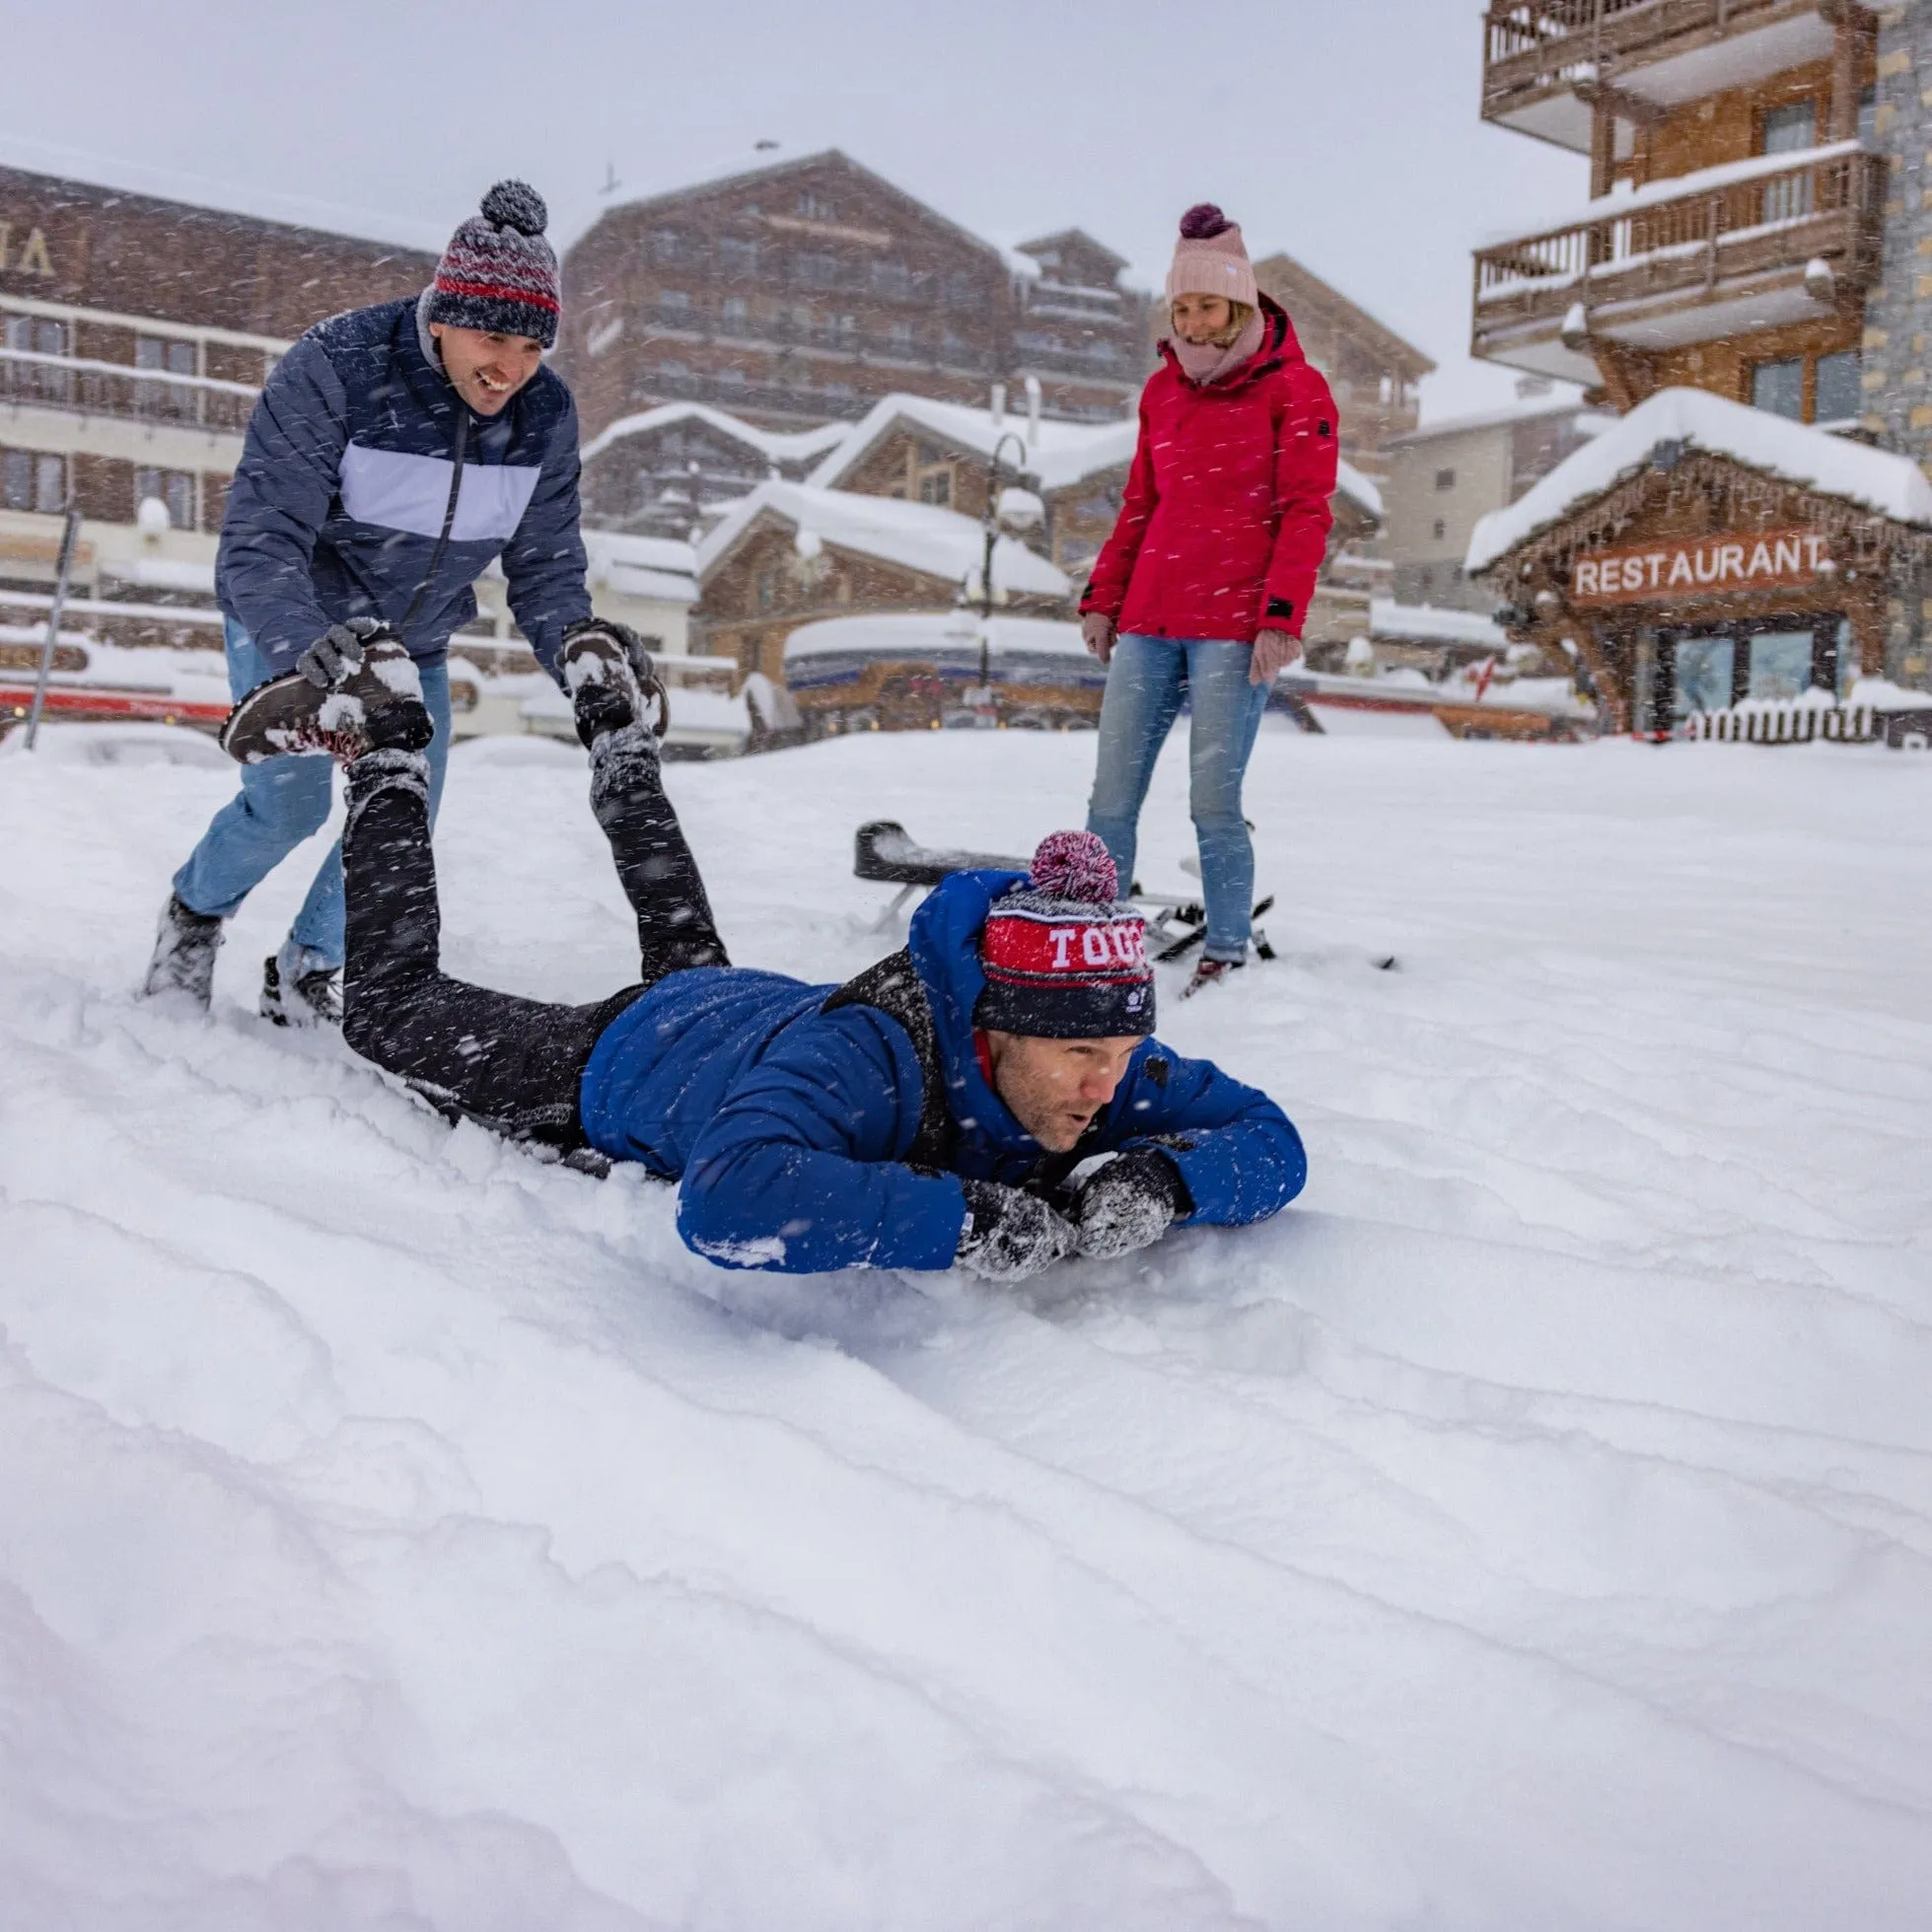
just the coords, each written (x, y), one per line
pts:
(396, 452)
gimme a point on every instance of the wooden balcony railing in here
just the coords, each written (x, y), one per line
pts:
(1754, 220)
(86, 387)
(1530, 46)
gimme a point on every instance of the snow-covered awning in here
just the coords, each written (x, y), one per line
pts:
(1890, 486)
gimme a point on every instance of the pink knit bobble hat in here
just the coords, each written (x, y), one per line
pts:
(1210, 259)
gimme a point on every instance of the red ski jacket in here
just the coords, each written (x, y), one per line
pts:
(1226, 517)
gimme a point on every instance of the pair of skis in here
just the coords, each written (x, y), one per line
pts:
(888, 854)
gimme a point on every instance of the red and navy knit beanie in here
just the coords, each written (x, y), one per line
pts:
(498, 272)
(1063, 959)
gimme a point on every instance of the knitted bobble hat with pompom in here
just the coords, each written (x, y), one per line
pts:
(1064, 959)
(1210, 259)
(498, 272)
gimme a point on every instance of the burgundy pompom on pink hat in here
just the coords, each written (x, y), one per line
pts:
(1064, 959)
(1210, 259)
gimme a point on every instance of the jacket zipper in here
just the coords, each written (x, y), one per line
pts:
(448, 521)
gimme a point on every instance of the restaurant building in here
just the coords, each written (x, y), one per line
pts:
(1699, 553)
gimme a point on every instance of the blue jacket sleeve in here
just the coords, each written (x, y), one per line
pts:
(1238, 1152)
(544, 561)
(800, 1170)
(280, 498)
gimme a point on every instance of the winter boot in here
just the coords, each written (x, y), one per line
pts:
(183, 959)
(612, 681)
(376, 703)
(298, 989)
(1209, 972)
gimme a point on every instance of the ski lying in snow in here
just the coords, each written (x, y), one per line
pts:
(886, 852)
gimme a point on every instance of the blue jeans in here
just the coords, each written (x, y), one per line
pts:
(1145, 684)
(282, 802)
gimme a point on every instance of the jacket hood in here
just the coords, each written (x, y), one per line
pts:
(1280, 345)
(945, 945)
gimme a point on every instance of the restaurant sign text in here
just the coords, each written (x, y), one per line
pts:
(1655, 573)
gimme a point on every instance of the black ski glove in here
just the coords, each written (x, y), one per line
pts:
(1129, 1204)
(336, 655)
(1009, 1235)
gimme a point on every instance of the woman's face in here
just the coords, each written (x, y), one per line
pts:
(1201, 317)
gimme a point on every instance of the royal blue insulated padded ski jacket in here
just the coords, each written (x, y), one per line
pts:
(790, 1121)
(339, 506)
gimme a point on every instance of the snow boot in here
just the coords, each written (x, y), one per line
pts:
(379, 703)
(612, 681)
(184, 957)
(298, 989)
(1209, 972)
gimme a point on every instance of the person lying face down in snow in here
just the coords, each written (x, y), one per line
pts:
(931, 1111)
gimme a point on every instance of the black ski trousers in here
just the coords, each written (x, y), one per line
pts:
(513, 1064)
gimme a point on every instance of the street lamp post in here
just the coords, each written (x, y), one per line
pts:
(984, 707)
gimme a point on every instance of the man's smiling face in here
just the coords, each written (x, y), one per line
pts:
(485, 368)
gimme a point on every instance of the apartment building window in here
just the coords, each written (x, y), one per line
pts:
(38, 381)
(674, 301)
(817, 270)
(903, 339)
(1439, 530)
(1839, 393)
(674, 370)
(736, 311)
(175, 358)
(739, 259)
(732, 378)
(936, 486)
(844, 329)
(1868, 117)
(1780, 387)
(1444, 480)
(893, 279)
(174, 487)
(1789, 130)
(814, 207)
(30, 481)
(666, 245)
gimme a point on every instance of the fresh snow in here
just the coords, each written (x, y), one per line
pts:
(1434, 622)
(1530, 1527)
(1892, 485)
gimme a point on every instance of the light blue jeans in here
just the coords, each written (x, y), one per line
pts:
(282, 802)
(1145, 684)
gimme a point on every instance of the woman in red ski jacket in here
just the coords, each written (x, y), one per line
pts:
(1203, 587)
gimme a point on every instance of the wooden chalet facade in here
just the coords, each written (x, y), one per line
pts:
(1736, 226)
(1692, 566)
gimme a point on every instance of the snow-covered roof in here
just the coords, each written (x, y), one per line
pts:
(1064, 454)
(642, 566)
(1432, 624)
(1351, 482)
(226, 195)
(1674, 187)
(1894, 486)
(775, 446)
(1529, 409)
(916, 536)
(935, 634)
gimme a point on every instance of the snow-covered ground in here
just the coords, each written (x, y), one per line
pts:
(1530, 1528)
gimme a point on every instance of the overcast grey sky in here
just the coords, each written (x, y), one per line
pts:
(1345, 133)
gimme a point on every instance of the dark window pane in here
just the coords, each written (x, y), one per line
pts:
(1838, 393)
(1780, 387)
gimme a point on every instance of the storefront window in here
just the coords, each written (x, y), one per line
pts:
(1703, 674)
(1780, 387)
(1780, 664)
(1838, 393)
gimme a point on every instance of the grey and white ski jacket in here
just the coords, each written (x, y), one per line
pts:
(369, 488)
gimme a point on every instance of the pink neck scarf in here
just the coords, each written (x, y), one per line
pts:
(1204, 363)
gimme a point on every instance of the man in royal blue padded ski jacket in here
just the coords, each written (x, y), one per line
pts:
(934, 1110)
(395, 451)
